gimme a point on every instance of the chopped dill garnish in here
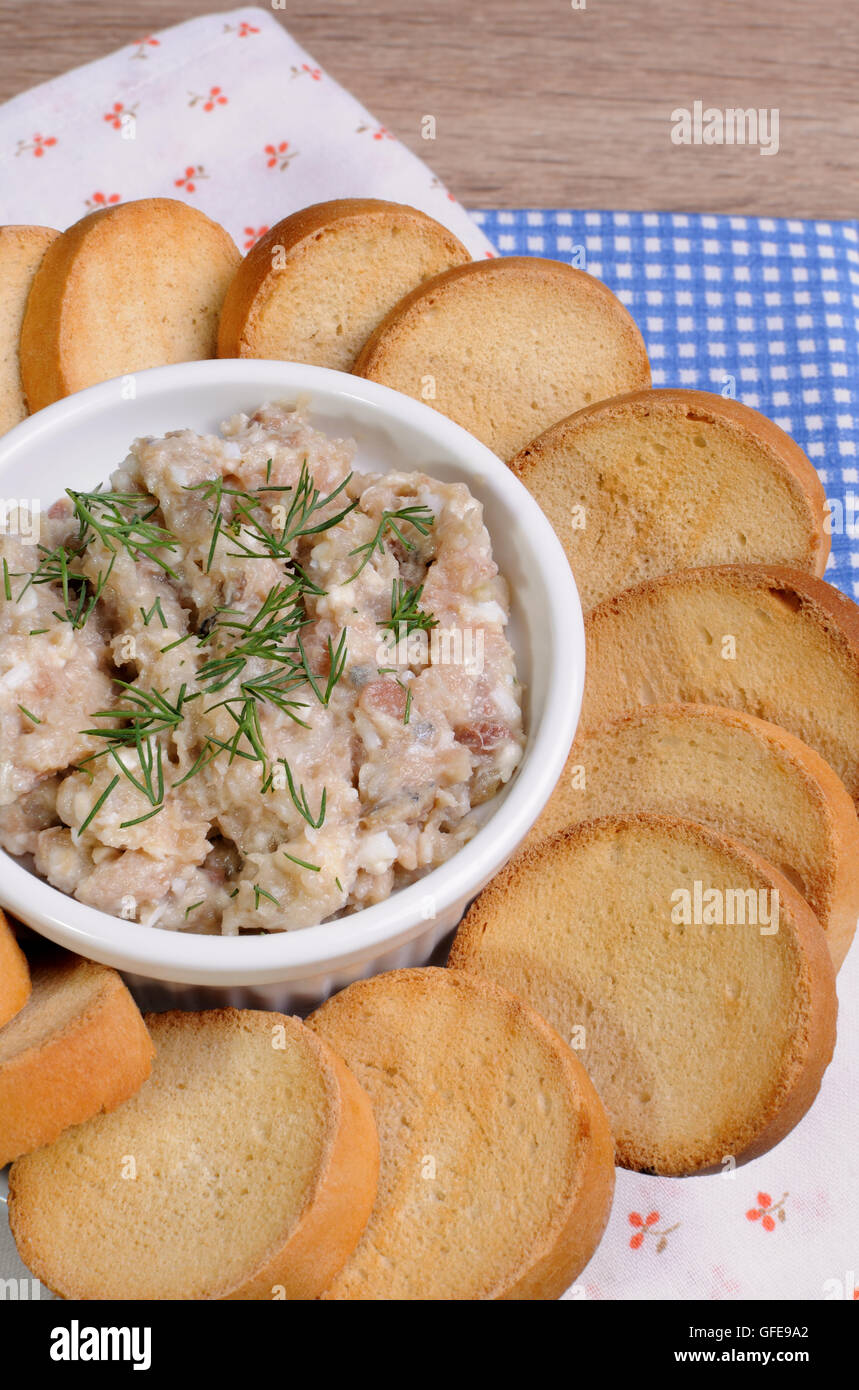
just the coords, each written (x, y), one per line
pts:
(420, 516)
(340, 885)
(336, 666)
(177, 643)
(99, 803)
(299, 798)
(29, 715)
(56, 567)
(302, 863)
(193, 908)
(148, 714)
(121, 521)
(407, 713)
(261, 893)
(156, 608)
(7, 587)
(306, 501)
(138, 820)
(406, 611)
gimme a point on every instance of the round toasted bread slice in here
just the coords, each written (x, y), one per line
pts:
(14, 975)
(319, 283)
(245, 1168)
(649, 941)
(776, 642)
(132, 286)
(506, 347)
(655, 481)
(78, 1046)
(496, 1156)
(21, 251)
(737, 774)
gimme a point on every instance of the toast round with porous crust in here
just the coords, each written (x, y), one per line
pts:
(21, 251)
(650, 940)
(318, 283)
(737, 774)
(506, 347)
(245, 1168)
(497, 1162)
(663, 480)
(77, 1047)
(127, 287)
(776, 642)
(14, 973)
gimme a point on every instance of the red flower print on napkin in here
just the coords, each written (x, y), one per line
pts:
(37, 145)
(253, 236)
(188, 180)
(307, 71)
(119, 114)
(380, 133)
(242, 31)
(140, 46)
(102, 200)
(215, 97)
(648, 1226)
(764, 1210)
(279, 155)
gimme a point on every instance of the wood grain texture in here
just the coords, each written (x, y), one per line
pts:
(539, 104)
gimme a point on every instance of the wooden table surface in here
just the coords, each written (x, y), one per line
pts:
(542, 104)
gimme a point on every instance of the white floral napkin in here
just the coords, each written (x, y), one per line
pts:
(225, 112)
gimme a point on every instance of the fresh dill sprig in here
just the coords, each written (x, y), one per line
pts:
(111, 516)
(261, 893)
(156, 608)
(299, 797)
(407, 712)
(406, 611)
(336, 666)
(280, 616)
(302, 863)
(97, 805)
(304, 504)
(420, 516)
(148, 714)
(56, 567)
(29, 714)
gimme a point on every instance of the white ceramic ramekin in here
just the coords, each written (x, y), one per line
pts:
(79, 441)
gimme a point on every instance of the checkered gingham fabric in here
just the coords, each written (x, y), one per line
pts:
(761, 308)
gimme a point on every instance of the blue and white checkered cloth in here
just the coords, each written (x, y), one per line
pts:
(756, 307)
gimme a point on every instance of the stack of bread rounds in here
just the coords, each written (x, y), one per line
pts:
(655, 481)
(128, 287)
(693, 976)
(21, 252)
(497, 1161)
(734, 773)
(508, 347)
(14, 973)
(77, 1047)
(245, 1168)
(318, 284)
(776, 642)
